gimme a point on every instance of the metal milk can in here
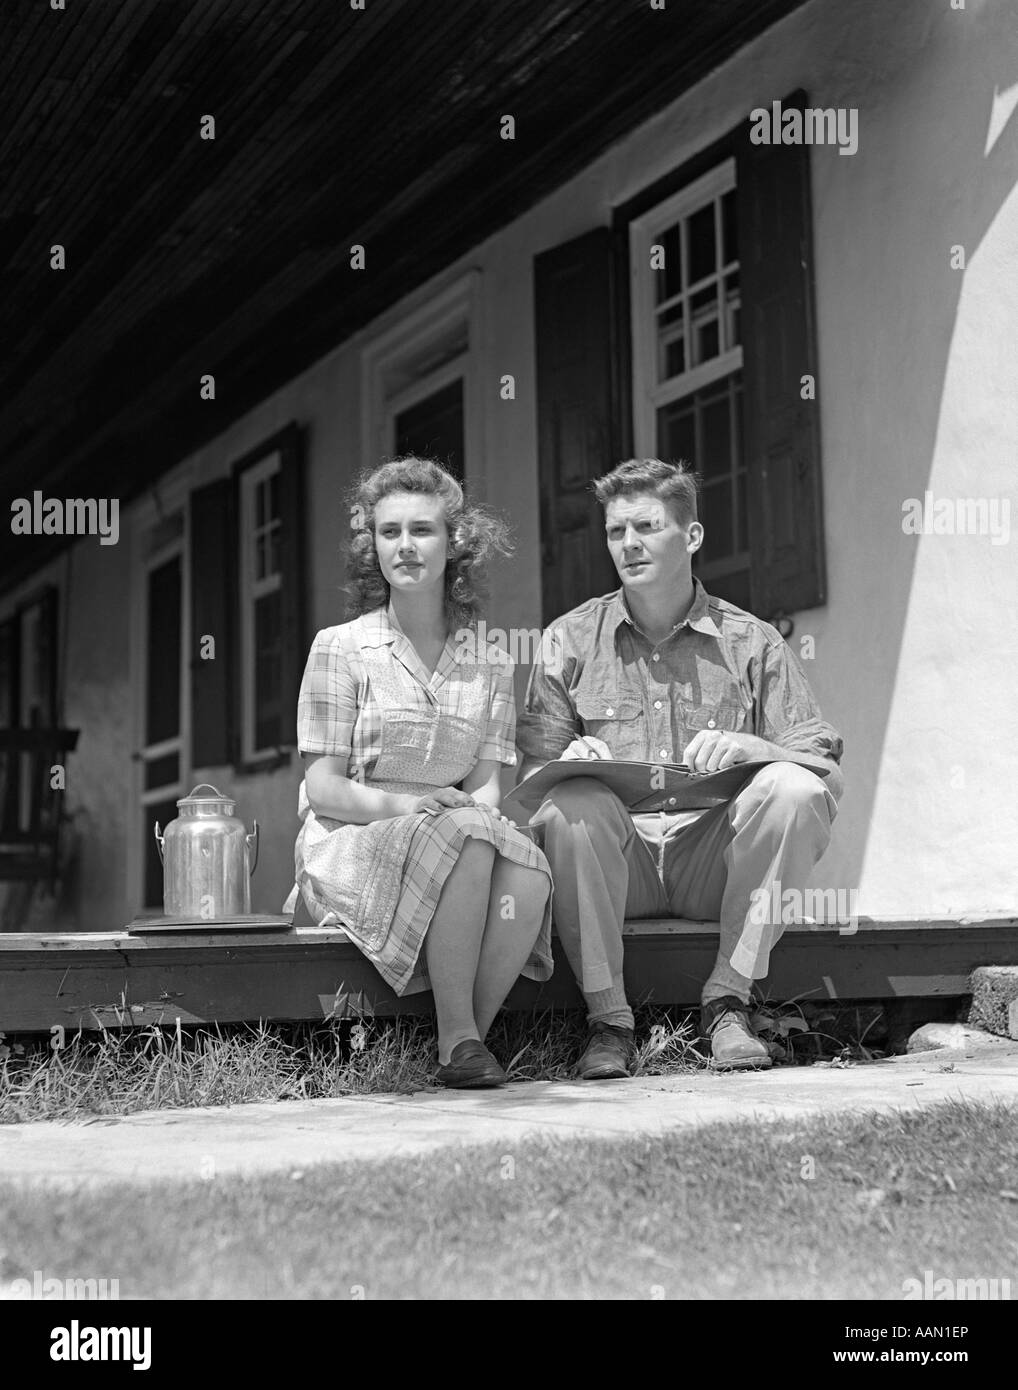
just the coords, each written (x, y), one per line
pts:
(207, 858)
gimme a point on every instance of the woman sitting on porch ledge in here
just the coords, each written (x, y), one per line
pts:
(403, 722)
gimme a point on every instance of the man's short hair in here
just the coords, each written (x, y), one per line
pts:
(675, 483)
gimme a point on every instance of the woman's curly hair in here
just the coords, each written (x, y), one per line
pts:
(474, 536)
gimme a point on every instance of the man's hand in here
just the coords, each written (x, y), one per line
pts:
(586, 748)
(714, 749)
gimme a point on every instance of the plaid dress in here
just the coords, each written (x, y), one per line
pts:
(367, 698)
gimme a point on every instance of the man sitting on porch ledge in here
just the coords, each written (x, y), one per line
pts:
(660, 671)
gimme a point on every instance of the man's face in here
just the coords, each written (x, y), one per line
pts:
(649, 547)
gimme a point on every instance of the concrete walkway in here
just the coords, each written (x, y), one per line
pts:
(294, 1135)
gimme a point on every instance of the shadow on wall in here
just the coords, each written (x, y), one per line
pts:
(943, 187)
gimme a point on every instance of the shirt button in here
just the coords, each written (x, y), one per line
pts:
(671, 801)
(664, 752)
(609, 712)
(710, 723)
(656, 657)
(657, 704)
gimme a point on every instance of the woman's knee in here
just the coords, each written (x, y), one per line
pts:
(519, 890)
(475, 860)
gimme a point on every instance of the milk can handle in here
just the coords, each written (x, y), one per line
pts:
(214, 790)
(248, 838)
(159, 842)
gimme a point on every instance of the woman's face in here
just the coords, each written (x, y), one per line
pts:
(411, 540)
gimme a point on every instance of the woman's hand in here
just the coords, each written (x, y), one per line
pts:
(442, 799)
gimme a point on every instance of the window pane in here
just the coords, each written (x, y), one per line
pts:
(701, 244)
(433, 428)
(669, 280)
(673, 357)
(260, 554)
(163, 812)
(732, 304)
(676, 434)
(743, 512)
(716, 515)
(731, 244)
(703, 308)
(259, 489)
(705, 340)
(268, 655)
(715, 438)
(273, 511)
(162, 717)
(273, 543)
(160, 772)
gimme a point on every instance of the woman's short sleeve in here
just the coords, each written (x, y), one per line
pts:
(498, 743)
(327, 704)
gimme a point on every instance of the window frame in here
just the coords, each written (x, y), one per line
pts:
(410, 333)
(648, 396)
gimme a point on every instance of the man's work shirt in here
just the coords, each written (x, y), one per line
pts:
(720, 668)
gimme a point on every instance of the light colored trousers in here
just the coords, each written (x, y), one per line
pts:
(773, 830)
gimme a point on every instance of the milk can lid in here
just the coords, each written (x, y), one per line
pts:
(207, 803)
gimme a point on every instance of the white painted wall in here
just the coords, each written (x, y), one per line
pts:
(916, 649)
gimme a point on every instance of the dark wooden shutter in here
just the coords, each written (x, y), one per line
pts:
(46, 655)
(292, 553)
(10, 766)
(214, 613)
(9, 683)
(573, 326)
(781, 430)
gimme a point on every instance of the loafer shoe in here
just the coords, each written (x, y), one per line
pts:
(724, 1024)
(470, 1065)
(608, 1054)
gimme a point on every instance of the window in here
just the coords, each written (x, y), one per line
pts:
(419, 388)
(430, 424)
(713, 269)
(687, 362)
(247, 648)
(28, 695)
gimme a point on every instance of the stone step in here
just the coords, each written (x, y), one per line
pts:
(995, 999)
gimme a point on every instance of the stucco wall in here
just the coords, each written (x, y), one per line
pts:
(916, 648)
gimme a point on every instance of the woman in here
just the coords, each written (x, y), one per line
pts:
(404, 721)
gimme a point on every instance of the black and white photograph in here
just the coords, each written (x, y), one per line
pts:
(508, 652)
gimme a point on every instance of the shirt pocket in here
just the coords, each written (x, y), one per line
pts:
(613, 718)
(728, 716)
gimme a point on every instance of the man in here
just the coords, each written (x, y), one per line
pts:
(661, 672)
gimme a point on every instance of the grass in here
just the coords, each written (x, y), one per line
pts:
(827, 1208)
(121, 1073)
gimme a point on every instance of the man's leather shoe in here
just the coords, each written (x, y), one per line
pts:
(724, 1023)
(470, 1066)
(609, 1053)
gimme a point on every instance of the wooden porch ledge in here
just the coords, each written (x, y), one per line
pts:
(111, 979)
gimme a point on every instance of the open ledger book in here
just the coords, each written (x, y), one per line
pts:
(646, 786)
